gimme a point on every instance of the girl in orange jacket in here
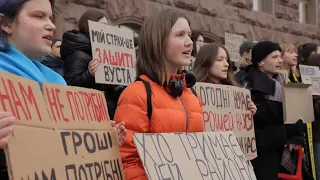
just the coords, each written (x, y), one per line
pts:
(164, 47)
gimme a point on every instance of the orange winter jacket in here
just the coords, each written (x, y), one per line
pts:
(168, 115)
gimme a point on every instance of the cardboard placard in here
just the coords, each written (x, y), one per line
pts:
(37, 153)
(297, 103)
(114, 49)
(311, 75)
(315, 81)
(225, 108)
(76, 108)
(56, 149)
(233, 43)
(190, 156)
(23, 98)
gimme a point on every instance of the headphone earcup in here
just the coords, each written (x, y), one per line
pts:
(176, 87)
(190, 79)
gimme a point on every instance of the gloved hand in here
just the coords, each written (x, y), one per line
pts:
(296, 129)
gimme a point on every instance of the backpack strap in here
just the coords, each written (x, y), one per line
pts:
(149, 94)
(194, 91)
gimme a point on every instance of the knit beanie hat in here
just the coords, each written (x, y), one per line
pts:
(262, 49)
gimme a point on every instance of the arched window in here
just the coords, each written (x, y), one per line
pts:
(133, 27)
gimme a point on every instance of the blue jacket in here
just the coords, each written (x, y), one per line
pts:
(15, 62)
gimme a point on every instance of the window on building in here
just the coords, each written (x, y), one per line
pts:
(308, 12)
(266, 6)
(135, 29)
(304, 11)
(135, 34)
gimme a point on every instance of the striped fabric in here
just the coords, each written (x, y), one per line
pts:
(287, 161)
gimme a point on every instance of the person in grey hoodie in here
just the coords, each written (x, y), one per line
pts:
(53, 60)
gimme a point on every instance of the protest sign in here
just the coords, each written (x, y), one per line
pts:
(189, 156)
(24, 99)
(66, 146)
(114, 49)
(311, 75)
(75, 107)
(225, 108)
(293, 111)
(233, 43)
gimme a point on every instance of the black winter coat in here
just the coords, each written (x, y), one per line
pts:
(316, 123)
(76, 53)
(3, 167)
(239, 76)
(270, 132)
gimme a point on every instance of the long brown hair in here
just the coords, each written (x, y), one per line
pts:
(205, 58)
(92, 15)
(153, 42)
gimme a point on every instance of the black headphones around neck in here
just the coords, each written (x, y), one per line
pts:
(175, 86)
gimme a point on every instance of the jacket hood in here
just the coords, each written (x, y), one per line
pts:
(73, 41)
(260, 81)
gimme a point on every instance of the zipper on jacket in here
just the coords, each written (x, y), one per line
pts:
(186, 111)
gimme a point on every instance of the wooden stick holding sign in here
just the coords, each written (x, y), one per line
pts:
(65, 134)
(114, 49)
(190, 156)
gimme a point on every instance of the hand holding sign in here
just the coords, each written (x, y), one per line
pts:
(67, 130)
(229, 108)
(252, 107)
(6, 128)
(114, 49)
(121, 131)
(93, 66)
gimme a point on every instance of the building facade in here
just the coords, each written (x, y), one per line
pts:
(289, 21)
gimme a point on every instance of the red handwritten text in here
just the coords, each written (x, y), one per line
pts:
(228, 121)
(18, 99)
(115, 58)
(84, 106)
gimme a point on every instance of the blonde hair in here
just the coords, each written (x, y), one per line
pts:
(286, 47)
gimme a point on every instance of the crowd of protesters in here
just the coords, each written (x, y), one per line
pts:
(69, 61)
